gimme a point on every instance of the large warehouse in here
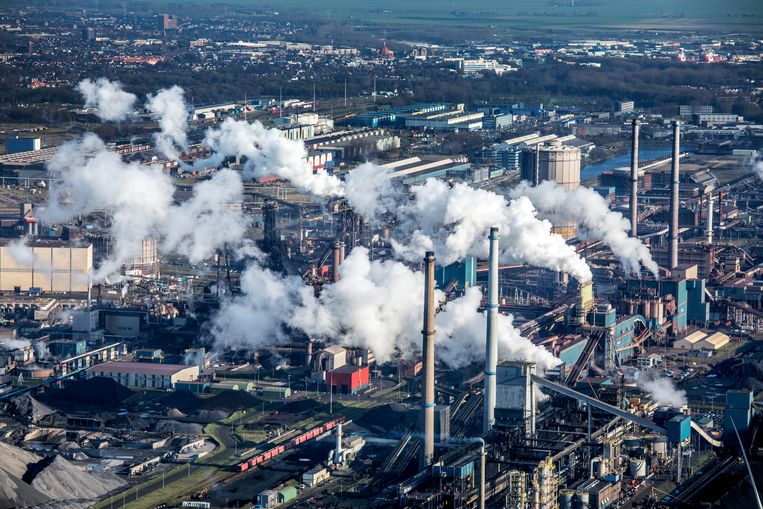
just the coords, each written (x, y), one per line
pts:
(51, 265)
(145, 375)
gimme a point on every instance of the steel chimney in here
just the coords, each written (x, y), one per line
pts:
(337, 261)
(491, 338)
(709, 218)
(427, 350)
(674, 203)
(634, 179)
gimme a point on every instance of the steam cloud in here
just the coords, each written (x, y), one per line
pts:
(21, 253)
(169, 105)
(662, 391)
(369, 191)
(376, 305)
(137, 200)
(594, 219)
(268, 153)
(452, 222)
(108, 98)
(757, 165)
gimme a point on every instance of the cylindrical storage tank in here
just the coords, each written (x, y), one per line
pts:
(583, 500)
(637, 468)
(565, 499)
(561, 164)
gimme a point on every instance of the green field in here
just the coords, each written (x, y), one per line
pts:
(628, 14)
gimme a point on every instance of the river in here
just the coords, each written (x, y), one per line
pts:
(645, 155)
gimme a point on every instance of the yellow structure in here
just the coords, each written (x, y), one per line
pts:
(53, 266)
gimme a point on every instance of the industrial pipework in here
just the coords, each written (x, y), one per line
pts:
(634, 179)
(674, 203)
(491, 339)
(427, 349)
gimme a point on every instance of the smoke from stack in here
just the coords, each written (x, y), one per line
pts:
(268, 153)
(107, 97)
(137, 200)
(594, 218)
(674, 201)
(634, 179)
(169, 104)
(491, 343)
(427, 350)
(662, 390)
(452, 222)
(757, 164)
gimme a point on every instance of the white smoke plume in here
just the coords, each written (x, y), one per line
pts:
(662, 390)
(210, 218)
(21, 253)
(169, 104)
(136, 198)
(369, 191)
(14, 344)
(594, 218)
(452, 222)
(461, 331)
(107, 97)
(138, 201)
(375, 304)
(757, 165)
(268, 153)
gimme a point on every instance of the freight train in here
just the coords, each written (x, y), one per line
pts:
(300, 439)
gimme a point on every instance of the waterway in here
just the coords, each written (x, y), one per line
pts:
(645, 155)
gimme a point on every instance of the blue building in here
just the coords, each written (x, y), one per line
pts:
(15, 144)
(463, 272)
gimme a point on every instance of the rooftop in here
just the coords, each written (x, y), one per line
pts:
(140, 368)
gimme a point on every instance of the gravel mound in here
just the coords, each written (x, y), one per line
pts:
(60, 480)
(179, 428)
(16, 493)
(16, 460)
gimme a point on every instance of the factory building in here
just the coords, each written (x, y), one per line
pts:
(15, 144)
(700, 340)
(141, 375)
(415, 170)
(53, 266)
(347, 379)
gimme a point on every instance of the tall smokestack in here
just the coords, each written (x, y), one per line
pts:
(341, 252)
(709, 218)
(634, 179)
(674, 204)
(337, 261)
(491, 339)
(427, 349)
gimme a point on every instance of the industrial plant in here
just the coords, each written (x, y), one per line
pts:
(373, 297)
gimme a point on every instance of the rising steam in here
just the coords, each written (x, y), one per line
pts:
(452, 221)
(169, 104)
(138, 202)
(107, 97)
(268, 153)
(595, 220)
(662, 390)
(376, 305)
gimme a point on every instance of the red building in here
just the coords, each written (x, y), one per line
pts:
(347, 379)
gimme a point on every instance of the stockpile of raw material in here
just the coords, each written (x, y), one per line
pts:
(27, 480)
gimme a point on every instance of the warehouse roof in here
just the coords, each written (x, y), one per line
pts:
(139, 368)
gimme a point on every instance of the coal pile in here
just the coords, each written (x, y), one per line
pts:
(28, 408)
(229, 401)
(98, 391)
(744, 372)
(184, 401)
